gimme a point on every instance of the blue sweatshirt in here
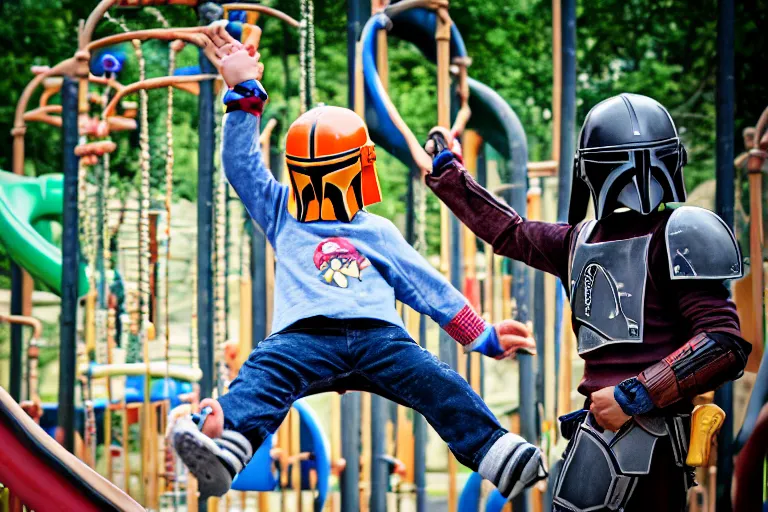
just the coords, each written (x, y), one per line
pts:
(336, 269)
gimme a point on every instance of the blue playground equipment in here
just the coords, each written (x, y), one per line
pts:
(161, 389)
(261, 474)
(469, 501)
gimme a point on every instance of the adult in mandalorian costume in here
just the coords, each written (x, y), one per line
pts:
(652, 315)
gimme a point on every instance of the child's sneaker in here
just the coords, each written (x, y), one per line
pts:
(513, 464)
(214, 462)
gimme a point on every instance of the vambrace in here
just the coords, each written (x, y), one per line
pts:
(704, 363)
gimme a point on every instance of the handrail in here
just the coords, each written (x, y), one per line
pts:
(152, 83)
(19, 126)
(405, 5)
(29, 321)
(269, 11)
(43, 115)
(156, 369)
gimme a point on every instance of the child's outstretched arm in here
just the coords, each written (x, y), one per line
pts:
(260, 192)
(424, 289)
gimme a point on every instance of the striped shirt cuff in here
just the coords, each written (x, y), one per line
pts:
(466, 326)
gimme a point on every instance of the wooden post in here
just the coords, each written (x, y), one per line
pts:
(756, 247)
(365, 451)
(472, 143)
(755, 162)
(550, 290)
(557, 73)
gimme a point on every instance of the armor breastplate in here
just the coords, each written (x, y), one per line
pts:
(608, 290)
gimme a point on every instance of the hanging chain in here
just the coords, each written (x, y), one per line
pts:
(107, 235)
(169, 160)
(220, 269)
(144, 191)
(303, 28)
(311, 53)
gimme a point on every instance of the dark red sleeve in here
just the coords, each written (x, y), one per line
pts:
(715, 352)
(542, 245)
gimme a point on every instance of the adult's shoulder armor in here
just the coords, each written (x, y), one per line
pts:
(700, 246)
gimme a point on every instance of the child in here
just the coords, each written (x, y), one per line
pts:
(335, 327)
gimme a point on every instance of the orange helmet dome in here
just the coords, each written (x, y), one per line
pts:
(325, 131)
(331, 163)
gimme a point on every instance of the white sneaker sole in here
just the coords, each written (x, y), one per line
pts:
(200, 454)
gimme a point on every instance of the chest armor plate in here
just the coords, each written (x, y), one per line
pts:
(608, 290)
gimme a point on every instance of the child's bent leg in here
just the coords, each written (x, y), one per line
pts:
(401, 369)
(277, 373)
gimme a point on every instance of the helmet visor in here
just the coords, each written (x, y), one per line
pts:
(639, 178)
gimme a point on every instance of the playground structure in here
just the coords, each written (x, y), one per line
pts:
(391, 446)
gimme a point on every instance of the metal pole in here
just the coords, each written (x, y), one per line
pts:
(17, 334)
(258, 282)
(70, 248)
(357, 12)
(567, 147)
(724, 200)
(205, 170)
(379, 466)
(567, 108)
(539, 329)
(206, 130)
(420, 439)
(350, 451)
(419, 423)
(482, 179)
(724, 197)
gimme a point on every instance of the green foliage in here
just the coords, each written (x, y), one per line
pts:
(665, 49)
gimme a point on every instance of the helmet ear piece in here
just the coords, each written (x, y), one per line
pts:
(580, 194)
(683, 156)
(371, 187)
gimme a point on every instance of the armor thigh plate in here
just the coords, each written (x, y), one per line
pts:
(601, 468)
(608, 291)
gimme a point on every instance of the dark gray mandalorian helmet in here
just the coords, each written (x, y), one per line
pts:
(629, 155)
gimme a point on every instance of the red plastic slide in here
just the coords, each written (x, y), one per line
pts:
(45, 476)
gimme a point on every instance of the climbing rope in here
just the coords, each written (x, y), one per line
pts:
(311, 55)
(307, 55)
(169, 161)
(220, 269)
(303, 60)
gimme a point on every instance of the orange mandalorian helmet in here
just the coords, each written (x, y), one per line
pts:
(331, 164)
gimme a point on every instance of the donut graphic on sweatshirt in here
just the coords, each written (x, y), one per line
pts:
(338, 261)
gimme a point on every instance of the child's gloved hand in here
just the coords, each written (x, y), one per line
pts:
(213, 425)
(237, 62)
(515, 337)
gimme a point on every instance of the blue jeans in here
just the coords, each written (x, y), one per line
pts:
(320, 354)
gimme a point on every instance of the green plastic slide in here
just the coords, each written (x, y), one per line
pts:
(27, 208)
